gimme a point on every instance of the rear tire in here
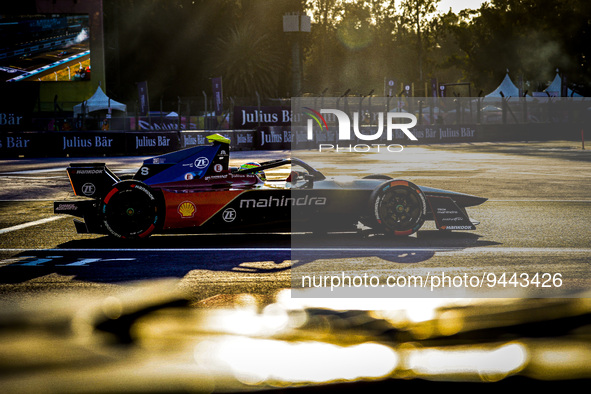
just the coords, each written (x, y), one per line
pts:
(130, 210)
(398, 208)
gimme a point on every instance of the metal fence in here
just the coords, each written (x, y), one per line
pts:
(197, 113)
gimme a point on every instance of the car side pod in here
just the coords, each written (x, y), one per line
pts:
(398, 207)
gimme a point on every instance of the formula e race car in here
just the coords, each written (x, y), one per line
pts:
(194, 190)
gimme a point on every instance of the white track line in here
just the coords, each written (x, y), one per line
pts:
(30, 224)
(460, 250)
(529, 200)
(489, 200)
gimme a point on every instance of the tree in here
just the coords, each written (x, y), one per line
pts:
(415, 11)
(445, 62)
(354, 45)
(531, 38)
(175, 46)
(247, 62)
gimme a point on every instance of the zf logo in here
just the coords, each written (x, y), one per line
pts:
(229, 215)
(201, 162)
(88, 189)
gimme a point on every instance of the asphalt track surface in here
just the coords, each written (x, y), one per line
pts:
(537, 221)
(207, 313)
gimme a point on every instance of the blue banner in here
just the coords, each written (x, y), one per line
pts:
(218, 99)
(142, 90)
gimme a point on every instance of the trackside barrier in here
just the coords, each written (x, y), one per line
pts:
(119, 143)
(90, 143)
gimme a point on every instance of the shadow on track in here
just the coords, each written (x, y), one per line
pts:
(404, 250)
(424, 239)
(107, 260)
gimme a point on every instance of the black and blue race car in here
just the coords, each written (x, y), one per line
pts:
(194, 190)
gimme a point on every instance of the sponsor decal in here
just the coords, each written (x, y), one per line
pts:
(456, 228)
(15, 142)
(189, 176)
(244, 138)
(171, 124)
(67, 207)
(139, 187)
(88, 189)
(456, 219)
(229, 215)
(282, 202)
(186, 209)
(201, 162)
(445, 211)
(192, 139)
(213, 177)
(218, 168)
(89, 172)
(275, 137)
(80, 142)
(144, 141)
(10, 119)
(251, 117)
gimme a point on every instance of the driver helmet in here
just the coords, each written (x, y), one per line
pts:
(252, 164)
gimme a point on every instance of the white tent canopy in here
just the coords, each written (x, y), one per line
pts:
(555, 88)
(98, 101)
(507, 87)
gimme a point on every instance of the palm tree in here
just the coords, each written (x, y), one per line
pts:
(247, 62)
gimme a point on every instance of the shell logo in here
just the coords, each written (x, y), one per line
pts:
(186, 209)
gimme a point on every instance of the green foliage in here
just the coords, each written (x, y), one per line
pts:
(531, 38)
(178, 45)
(356, 44)
(247, 62)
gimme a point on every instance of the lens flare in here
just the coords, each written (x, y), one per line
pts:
(255, 361)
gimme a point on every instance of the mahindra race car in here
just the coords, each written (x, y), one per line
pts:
(194, 190)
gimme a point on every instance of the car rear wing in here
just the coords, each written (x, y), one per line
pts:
(91, 179)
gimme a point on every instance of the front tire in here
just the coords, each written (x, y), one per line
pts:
(130, 210)
(398, 207)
